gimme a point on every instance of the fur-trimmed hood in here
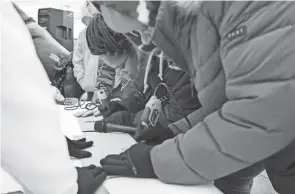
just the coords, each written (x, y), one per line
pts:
(173, 23)
(169, 32)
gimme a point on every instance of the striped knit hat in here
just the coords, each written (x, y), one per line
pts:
(101, 39)
(143, 11)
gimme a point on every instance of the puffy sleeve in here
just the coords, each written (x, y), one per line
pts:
(254, 123)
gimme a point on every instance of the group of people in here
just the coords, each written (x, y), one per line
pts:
(228, 65)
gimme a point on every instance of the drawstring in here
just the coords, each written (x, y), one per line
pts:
(125, 85)
(192, 87)
(193, 76)
(173, 98)
(147, 70)
(161, 66)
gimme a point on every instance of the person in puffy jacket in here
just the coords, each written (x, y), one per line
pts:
(240, 56)
(132, 65)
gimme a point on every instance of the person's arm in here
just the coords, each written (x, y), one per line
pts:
(33, 148)
(249, 128)
(77, 60)
(211, 104)
(133, 103)
(256, 121)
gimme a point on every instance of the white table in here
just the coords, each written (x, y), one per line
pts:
(113, 143)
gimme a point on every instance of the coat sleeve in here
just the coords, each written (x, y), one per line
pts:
(185, 95)
(247, 129)
(33, 148)
(210, 104)
(79, 68)
(256, 121)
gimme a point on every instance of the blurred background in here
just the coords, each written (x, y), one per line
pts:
(31, 7)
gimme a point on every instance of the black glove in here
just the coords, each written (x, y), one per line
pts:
(134, 162)
(154, 135)
(89, 179)
(75, 147)
(112, 108)
(134, 103)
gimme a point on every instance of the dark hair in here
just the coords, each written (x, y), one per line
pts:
(101, 39)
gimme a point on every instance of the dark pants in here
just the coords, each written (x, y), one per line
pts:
(281, 170)
(279, 167)
(239, 182)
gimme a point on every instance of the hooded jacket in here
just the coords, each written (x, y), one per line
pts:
(88, 69)
(240, 56)
(134, 99)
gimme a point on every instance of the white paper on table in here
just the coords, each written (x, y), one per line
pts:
(69, 124)
(8, 183)
(118, 185)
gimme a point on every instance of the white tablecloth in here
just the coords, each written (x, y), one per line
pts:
(105, 144)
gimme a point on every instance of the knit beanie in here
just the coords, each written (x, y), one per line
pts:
(101, 39)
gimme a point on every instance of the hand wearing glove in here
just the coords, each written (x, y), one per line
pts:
(75, 147)
(134, 103)
(134, 162)
(154, 135)
(113, 107)
(89, 179)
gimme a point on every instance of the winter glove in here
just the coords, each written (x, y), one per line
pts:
(134, 162)
(154, 135)
(113, 107)
(133, 103)
(75, 147)
(89, 179)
